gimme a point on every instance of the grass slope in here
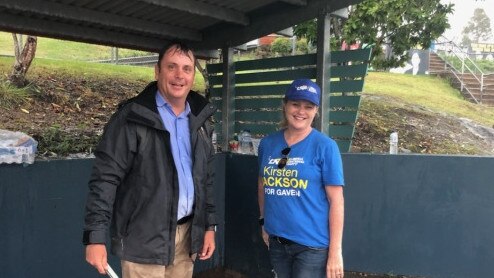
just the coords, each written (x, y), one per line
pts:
(427, 91)
(429, 115)
(90, 70)
(424, 109)
(66, 50)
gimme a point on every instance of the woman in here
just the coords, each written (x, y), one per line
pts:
(300, 191)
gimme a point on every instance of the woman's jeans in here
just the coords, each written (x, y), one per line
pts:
(292, 260)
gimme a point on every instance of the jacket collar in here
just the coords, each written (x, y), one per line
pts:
(146, 112)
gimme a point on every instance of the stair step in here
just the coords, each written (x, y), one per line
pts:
(437, 66)
(477, 94)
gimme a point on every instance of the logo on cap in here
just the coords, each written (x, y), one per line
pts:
(306, 88)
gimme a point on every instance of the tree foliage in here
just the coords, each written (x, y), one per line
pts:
(479, 27)
(466, 41)
(281, 46)
(397, 24)
(308, 30)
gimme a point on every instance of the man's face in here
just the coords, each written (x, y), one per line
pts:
(175, 75)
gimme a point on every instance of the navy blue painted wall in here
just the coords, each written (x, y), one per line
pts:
(418, 215)
(41, 220)
(405, 214)
(245, 251)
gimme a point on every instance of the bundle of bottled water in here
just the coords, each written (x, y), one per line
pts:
(245, 142)
(17, 147)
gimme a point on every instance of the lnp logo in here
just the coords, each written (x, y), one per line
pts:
(306, 88)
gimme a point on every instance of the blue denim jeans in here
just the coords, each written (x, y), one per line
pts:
(293, 260)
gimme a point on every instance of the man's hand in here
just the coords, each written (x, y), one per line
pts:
(208, 247)
(96, 256)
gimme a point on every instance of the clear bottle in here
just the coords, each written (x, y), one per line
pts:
(245, 142)
(393, 142)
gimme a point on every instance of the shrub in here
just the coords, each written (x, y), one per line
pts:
(301, 46)
(281, 46)
(263, 51)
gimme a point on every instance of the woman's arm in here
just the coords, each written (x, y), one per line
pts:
(334, 267)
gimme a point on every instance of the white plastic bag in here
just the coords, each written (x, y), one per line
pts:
(17, 147)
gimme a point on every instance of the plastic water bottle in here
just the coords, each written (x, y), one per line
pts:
(16, 147)
(245, 142)
(393, 143)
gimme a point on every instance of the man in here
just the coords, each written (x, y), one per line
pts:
(153, 176)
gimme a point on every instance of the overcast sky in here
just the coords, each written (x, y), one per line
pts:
(463, 12)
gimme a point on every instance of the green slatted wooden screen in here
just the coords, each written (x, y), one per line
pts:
(347, 73)
(261, 84)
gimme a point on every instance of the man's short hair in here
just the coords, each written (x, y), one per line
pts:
(179, 46)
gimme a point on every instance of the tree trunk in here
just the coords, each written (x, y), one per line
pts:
(23, 60)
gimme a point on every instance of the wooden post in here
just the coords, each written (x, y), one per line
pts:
(228, 97)
(323, 69)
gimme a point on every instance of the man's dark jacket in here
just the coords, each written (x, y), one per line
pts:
(134, 182)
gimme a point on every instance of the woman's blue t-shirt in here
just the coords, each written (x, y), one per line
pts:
(295, 202)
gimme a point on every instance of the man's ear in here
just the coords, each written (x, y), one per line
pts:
(156, 71)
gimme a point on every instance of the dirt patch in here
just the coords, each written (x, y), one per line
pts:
(420, 130)
(66, 115)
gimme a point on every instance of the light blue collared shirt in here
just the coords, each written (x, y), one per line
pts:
(178, 127)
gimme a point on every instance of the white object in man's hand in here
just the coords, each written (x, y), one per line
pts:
(110, 272)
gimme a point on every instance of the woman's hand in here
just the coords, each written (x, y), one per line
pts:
(334, 266)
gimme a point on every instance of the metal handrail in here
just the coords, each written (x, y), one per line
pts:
(466, 88)
(457, 50)
(463, 57)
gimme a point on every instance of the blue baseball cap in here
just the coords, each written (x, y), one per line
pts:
(304, 89)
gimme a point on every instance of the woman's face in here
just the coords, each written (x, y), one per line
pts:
(300, 114)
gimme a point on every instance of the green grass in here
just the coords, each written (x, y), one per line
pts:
(93, 70)
(66, 50)
(428, 91)
(11, 96)
(90, 70)
(81, 68)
